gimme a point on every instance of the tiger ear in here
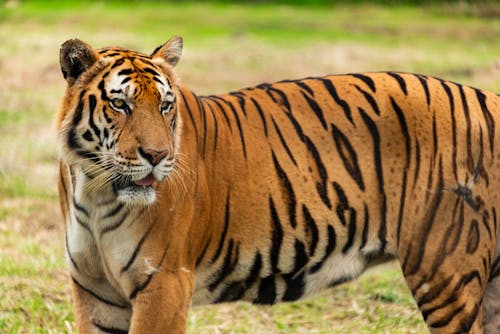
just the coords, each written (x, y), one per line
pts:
(75, 58)
(170, 51)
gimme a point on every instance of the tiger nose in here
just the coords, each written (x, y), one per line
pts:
(153, 156)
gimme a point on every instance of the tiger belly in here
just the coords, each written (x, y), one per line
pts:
(312, 278)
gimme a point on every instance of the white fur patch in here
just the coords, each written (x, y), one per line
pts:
(137, 195)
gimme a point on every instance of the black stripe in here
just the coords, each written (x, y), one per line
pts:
(453, 126)
(228, 265)
(72, 139)
(486, 224)
(305, 87)
(276, 237)
(235, 290)
(261, 114)
(110, 330)
(145, 284)
(366, 79)
(104, 95)
(490, 122)
(106, 116)
(435, 142)
(80, 208)
(202, 254)
(434, 291)
(446, 321)
(124, 81)
(465, 105)
(450, 239)
(93, 294)
(343, 203)
(370, 100)
(294, 286)
(417, 163)
(69, 253)
(115, 225)
(404, 181)
(300, 258)
(316, 109)
(114, 211)
(473, 237)
(267, 291)
(466, 323)
(400, 80)
(117, 63)
(215, 128)
(425, 86)
(428, 221)
(83, 224)
(297, 126)
(494, 212)
(283, 142)
(204, 122)
(278, 96)
(224, 230)
(92, 106)
(458, 222)
(238, 123)
(241, 101)
(364, 234)
(311, 230)
(495, 269)
(188, 109)
(77, 117)
(330, 246)
(322, 185)
(222, 110)
(380, 175)
(287, 191)
(126, 71)
(137, 249)
(295, 282)
(351, 231)
(151, 71)
(333, 93)
(348, 156)
(87, 135)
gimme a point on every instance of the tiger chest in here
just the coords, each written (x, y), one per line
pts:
(103, 250)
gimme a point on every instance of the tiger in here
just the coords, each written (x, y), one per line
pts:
(272, 193)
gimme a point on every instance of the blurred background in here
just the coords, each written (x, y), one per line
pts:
(227, 45)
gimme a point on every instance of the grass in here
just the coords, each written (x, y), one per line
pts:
(227, 46)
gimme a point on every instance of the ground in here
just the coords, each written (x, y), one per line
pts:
(226, 47)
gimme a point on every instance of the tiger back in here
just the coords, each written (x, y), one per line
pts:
(273, 192)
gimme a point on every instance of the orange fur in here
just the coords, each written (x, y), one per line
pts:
(277, 191)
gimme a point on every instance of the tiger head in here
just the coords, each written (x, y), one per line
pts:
(118, 122)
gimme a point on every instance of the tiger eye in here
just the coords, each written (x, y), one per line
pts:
(165, 106)
(118, 103)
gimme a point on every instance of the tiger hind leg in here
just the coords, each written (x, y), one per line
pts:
(491, 301)
(447, 267)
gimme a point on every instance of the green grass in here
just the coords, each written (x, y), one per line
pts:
(35, 296)
(227, 46)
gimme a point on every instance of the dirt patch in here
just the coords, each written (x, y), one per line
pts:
(38, 219)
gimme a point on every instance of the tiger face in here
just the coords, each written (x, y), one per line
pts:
(119, 122)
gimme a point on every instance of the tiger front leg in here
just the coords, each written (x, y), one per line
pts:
(96, 313)
(162, 305)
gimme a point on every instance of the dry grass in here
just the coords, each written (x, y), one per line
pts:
(291, 43)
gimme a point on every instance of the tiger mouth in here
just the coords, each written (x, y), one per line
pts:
(147, 181)
(136, 191)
